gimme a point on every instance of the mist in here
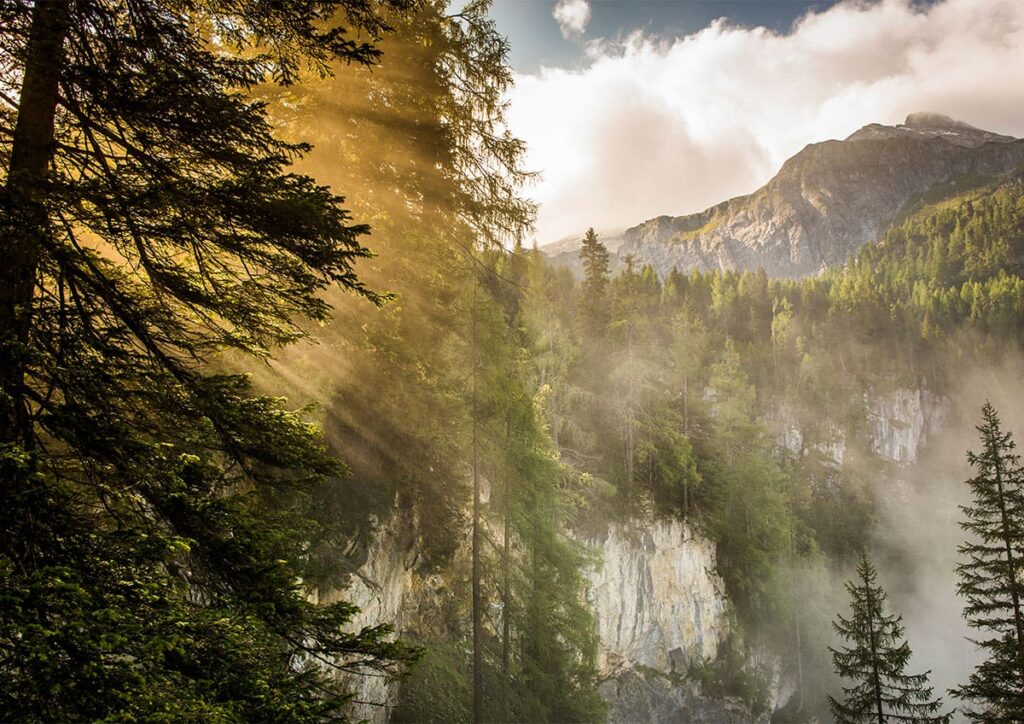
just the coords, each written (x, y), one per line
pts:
(917, 532)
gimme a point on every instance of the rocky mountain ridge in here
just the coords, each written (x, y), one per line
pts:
(828, 200)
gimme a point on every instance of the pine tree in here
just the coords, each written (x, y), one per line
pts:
(157, 518)
(594, 294)
(876, 660)
(990, 577)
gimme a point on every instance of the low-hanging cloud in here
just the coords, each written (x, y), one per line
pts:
(653, 126)
(572, 17)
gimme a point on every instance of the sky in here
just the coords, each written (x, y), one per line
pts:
(632, 109)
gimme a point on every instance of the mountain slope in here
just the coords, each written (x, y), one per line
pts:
(829, 199)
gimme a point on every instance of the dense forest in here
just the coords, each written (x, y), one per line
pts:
(223, 382)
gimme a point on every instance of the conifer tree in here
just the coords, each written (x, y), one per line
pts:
(876, 659)
(594, 294)
(156, 523)
(990, 576)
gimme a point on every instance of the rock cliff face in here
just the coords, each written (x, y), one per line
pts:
(381, 589)
(657, 599)
(639, 695)
(828, 200)
(898, 424)
(658, 605)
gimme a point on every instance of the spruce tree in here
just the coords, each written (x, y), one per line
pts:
(156, 523)
(594, 294)
(876, 659)
(990, 576)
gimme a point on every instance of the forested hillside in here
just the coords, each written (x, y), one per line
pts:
(672, 392)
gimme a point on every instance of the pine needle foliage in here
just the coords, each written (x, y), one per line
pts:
(875, 660)
(990, 575)
(156, 526)
(594, 297)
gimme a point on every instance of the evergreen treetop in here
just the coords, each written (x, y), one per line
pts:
(990, 575)
(875, 659)
(594, 296)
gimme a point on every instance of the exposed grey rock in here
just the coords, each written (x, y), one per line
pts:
(930, 125)
(660, 607)
(657, 598)
(571, 244)
(826, 440)
(640, 696)
(829, 199)
(380, 588)
(658, 601)
(900, 422)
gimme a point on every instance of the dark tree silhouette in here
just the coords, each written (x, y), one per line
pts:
(154, 526)
(594, 294)
(875, 660)
(990, 576)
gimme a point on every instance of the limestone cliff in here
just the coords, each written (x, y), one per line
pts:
(658, 602)
(657, 598)
(659, 607)
(897, 424)
(381, 589)
(901, 422)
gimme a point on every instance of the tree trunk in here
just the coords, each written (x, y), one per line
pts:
(629, 437)
(26, 221)
(876, 679)
(686, 404)
(478, 674)
(1011, 565)
(556, 421)
(799, 661)
(506, 618)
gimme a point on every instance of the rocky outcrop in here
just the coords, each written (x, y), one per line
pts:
(828, 200)
(900, 422)
(381, 589)
(660, 608)
(658, 601)
(829, 445)
(644, 695)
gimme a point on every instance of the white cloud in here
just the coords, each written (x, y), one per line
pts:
(652, 126)
(572, 17)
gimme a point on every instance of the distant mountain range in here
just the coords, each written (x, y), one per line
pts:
(826, 202)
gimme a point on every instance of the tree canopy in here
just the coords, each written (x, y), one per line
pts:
(990, 574)
(155, 531)
(875, 658)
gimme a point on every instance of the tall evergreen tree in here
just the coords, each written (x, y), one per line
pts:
(990, 577)
(594, 295)
(406, 397)
(876, 660)
(155, 527)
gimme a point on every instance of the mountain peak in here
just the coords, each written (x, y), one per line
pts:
(829, 199)
(928, 125)
(937, 122)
